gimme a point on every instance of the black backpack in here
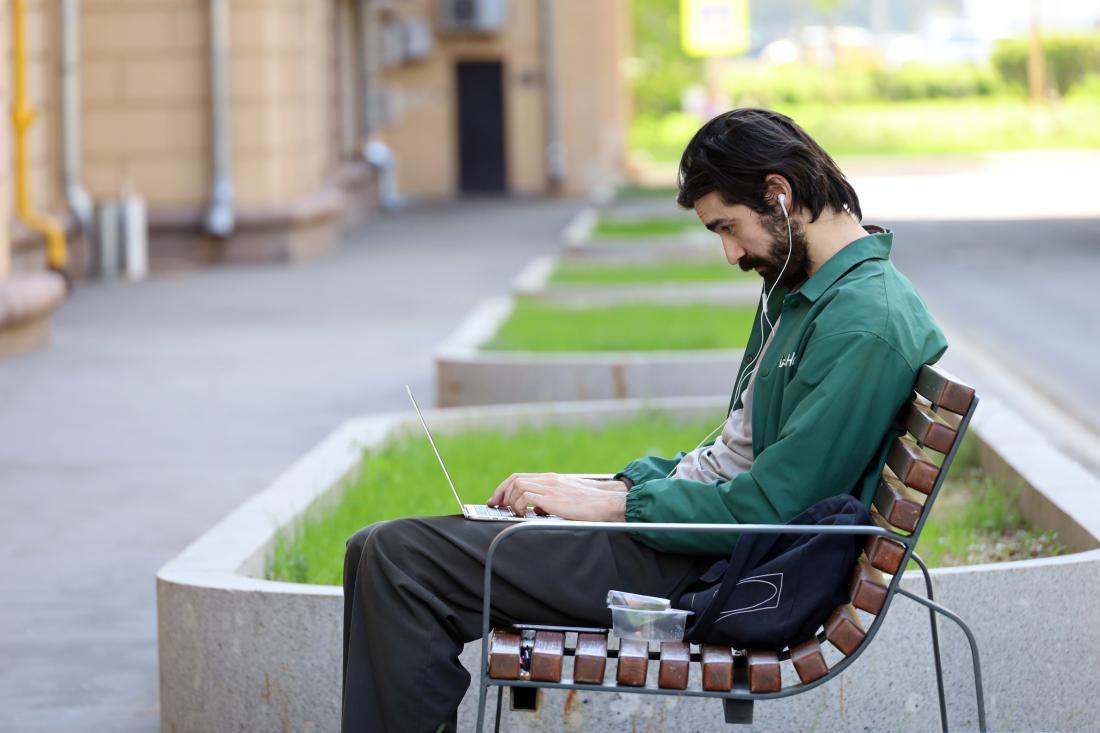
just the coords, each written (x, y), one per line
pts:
(777, 589)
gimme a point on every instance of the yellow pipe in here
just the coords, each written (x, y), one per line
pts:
(23, 116)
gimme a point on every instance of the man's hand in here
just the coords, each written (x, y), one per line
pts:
(568, 497)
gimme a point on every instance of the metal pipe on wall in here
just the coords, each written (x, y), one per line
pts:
(555, 147)
(80, 203)
(23, 117)
(220, 219)
(368, 49)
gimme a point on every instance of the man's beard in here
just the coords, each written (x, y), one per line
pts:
(797, 268)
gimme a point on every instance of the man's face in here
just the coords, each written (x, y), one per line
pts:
(756, 242)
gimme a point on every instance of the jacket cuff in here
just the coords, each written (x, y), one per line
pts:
(634, 472)
(621, 476)
(635, 506)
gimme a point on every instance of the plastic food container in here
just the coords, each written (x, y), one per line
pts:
(645, 617)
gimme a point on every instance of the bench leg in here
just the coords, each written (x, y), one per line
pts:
(973, 649)
(935, 641)
(737, 712)
(500, 703)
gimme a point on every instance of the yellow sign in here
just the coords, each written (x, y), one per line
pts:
(714, 27)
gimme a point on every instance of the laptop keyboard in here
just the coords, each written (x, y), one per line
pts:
(496, 512)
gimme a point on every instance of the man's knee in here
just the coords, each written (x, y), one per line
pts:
(357, 541)
(388, 537)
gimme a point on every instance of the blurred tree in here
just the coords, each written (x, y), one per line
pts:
(1036, 67)
(663, 71)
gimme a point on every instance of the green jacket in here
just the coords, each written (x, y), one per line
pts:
(825, 405)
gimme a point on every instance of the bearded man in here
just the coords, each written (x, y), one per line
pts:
(840, 336)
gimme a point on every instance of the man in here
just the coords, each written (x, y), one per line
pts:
(839, 340)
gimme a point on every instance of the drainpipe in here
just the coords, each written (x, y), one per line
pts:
(368, 60)
(23, 117)
(555, 147)
(80, 203)
(220, 219)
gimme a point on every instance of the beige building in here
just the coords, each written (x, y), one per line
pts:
(259, 129)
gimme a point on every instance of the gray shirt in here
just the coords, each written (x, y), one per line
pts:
(732, 453)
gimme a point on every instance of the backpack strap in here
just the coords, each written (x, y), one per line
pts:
(747, 553)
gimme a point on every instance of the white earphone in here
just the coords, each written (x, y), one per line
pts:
(765, 296)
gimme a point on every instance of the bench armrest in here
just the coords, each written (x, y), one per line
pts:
(561, 525)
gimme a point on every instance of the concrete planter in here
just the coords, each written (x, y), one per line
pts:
(241, 653)
(466, 375)
(534, 282)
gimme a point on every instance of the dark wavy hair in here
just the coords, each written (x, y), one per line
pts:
(734, 152)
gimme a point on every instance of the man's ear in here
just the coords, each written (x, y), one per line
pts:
(777, 184)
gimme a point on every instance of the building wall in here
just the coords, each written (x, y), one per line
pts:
(296, 101)
(422, 99)
(592, 39)
(5, 142)
(146, 99)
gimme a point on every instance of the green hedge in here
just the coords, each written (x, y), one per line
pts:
(755, 84)
(1070, 60)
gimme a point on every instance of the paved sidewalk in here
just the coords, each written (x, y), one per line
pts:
(160, 407)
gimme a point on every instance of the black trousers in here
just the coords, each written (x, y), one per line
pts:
(413, 595)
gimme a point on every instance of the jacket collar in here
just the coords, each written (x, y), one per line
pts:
(875, 246)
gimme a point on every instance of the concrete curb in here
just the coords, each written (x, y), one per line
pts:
(468, 376)
(240, 652)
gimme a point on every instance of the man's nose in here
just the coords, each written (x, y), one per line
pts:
(733, 250)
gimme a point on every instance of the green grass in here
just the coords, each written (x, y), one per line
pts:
(647, 227)
(647, 193)
(974, 520)
(914, 127)
(977, 520)
(665, 272)
(534, 326)
(403, 479)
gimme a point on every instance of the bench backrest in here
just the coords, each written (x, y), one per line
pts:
(935, 421)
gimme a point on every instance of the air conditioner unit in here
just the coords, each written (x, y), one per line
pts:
(472, 16)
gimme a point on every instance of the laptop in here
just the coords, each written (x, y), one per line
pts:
(484, 512)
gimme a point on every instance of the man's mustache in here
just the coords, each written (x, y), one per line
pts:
(747, 263)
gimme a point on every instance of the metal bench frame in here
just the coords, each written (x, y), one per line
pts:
(739, 700)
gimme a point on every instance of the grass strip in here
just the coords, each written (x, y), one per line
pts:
(974, 520)
(535, 326)
(646, 227)
(977, 520)
(572, 273)
(403, 479)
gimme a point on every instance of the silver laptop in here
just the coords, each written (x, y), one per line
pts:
(483, 512)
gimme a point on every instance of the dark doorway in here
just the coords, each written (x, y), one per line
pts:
(481, 127)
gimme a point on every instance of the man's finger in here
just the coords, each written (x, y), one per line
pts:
(500, 496)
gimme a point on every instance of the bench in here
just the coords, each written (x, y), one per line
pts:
(528, 657)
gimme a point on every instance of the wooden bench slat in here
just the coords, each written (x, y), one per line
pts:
(912, 466)
(885, 555)
(809, 661)
(929, 428)
(504, 655)
(672, 674)
(844, 630)
(899, 505)
(590, 659)
(939, 387)
(546, 656)
(867, 588)
(764, 674)
(717, 664)
(633, 662)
